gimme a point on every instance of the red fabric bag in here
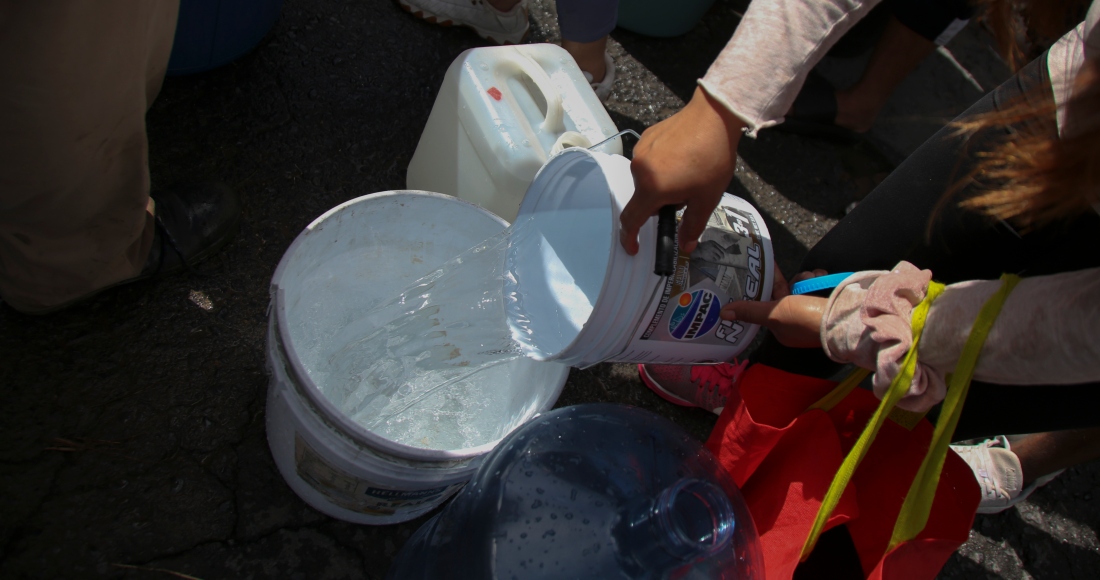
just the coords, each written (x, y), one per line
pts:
(784, 457)
(810, 455)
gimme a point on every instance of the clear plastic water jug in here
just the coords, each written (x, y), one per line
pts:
(591, 491)
(501, 113)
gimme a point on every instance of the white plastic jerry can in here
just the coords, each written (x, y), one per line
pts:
(501, 113)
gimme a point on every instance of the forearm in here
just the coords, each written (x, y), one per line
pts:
(759, 73)
(1047, 332)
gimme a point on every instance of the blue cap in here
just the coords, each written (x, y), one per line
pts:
(819, 283)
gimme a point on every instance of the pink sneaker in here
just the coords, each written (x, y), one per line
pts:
(703, 386)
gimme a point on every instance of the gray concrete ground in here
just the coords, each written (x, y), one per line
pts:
(133, 441)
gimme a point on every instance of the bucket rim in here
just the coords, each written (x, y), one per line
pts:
(304, 383)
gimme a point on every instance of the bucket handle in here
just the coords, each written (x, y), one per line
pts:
(554, 122)
(616, 136)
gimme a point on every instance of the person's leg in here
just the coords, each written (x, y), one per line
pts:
(584, 27)
(913, 30)
(589, 56)
(897, 54)
(1043, 454)
(76, 79)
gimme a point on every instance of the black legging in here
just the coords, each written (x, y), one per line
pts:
(892, 224)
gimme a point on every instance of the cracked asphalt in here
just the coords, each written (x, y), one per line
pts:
(133, 444)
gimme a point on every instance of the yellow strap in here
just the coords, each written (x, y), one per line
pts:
(840, 391)
(907, 419)
(918, 502)
(897, 390)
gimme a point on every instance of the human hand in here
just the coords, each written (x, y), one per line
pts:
(795, 320)
(687, 159)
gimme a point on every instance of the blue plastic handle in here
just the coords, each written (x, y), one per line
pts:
(819, 283)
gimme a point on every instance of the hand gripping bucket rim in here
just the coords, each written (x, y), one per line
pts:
(632, 301)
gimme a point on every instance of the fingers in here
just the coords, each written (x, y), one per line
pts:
(749, 311)
(692, 224)
(634, 215)
(795, 321)
(644, 203)
(780, 287)
(628, 237)
(807, 275)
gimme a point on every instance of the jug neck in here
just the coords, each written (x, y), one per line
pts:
(689, 521)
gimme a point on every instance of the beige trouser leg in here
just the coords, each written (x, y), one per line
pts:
(76, 78)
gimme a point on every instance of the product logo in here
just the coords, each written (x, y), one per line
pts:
(695, 314)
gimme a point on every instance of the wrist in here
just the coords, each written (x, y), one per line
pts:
(710, 109)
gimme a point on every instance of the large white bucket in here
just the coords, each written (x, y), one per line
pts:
(580, 299)
(501, 113)
(379, 244)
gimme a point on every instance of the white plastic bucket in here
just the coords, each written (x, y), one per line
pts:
(580, 299)
(382, 243)
(500, 114)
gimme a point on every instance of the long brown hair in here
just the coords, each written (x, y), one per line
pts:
(1035, 177)
(1022, 29)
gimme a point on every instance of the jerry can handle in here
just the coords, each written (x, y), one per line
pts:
(555, 112)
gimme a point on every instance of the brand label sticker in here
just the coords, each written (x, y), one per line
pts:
(729, 263)
(354, 493)
(695, 314)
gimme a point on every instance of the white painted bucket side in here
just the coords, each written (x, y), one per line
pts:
(501, 112)
(340, 476)
(333, 463)
(634, 315)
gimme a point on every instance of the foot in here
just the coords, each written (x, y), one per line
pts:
(704, 386)
(192, 223)
(999, 474)
(602, 87)
(490, 23)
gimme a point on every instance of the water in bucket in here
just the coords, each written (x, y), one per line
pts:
(417, 368)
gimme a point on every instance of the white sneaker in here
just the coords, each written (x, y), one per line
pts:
(999, 474)
(491, 24)
(603, 88)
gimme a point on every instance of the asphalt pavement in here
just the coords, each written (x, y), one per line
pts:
(133, 440)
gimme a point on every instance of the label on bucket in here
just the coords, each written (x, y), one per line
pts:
(731, 262)
(359, 495)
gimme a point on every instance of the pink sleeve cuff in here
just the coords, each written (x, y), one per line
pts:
(867, 323)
